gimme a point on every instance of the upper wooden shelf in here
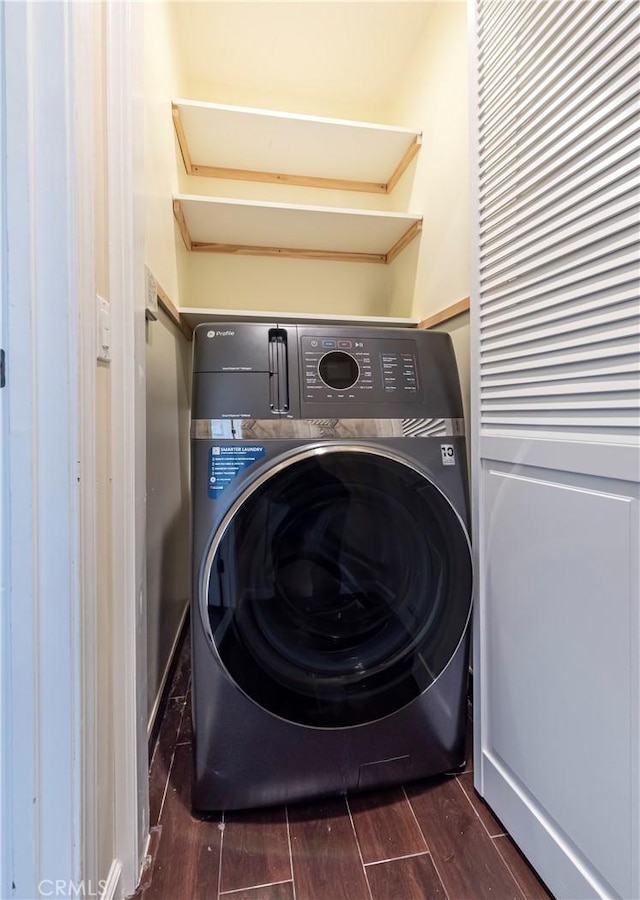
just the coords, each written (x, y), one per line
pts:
(261, 145)
(243, 227)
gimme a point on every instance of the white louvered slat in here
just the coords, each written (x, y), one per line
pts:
(551, 375)
(607, 184)
(493, 29)
(593, 87)
(617, 342)
(543, 89)
(602, 272)
(611, 387)
(537, 292)
(527, 317)
(596, 244)
(537, 81)
(570, 407)
(562, 422)
(529, 334)
(595, 294)
(565, 181)
(517, 126)
(559, 208)
(566, 158)
(531, 105)
(503, 52)
(549, 340)
(554, 155)
(514, 370)
(498, 62)
(571, 97)
(568, 229)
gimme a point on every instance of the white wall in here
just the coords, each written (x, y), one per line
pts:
(338, 59)
(433, 95)
(163, 253)
(290, 285)
(257, 283)
(430, 94)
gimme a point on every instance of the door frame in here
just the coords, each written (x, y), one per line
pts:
(43, 608)
(48, 672)
(5, 820)
(124, 87)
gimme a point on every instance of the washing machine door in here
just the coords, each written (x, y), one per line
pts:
(338, 587)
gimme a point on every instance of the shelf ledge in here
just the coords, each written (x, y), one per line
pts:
(284, 148)
(241, 227)
(197, 316)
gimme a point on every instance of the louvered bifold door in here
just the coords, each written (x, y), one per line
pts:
(556, 411)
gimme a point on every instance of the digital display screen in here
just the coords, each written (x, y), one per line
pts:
(338, 370)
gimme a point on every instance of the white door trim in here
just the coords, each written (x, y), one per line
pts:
(474, 437)
(5, 821)
(85, 90)
(42, 447)
(128, 400)
(47, 675)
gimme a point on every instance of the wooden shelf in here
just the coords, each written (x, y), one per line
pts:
(243, 227)
(196, 316)
(260, 145)
(444, 315)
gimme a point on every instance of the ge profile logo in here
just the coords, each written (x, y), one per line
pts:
(228, 333)
(211, 334)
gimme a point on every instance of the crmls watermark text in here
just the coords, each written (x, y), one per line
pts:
(63, 887)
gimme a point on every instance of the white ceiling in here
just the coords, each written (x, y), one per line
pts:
(349, 50)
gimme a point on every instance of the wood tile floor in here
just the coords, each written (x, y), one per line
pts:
(426, 840)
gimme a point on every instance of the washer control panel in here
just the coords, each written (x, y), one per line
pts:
(359, 370)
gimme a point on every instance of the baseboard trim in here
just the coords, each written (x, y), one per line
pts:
(110, 885)
(155, 719)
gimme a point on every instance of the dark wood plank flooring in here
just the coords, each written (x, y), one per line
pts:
(430, 840)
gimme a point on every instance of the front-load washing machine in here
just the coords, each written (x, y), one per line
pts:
(332, 573)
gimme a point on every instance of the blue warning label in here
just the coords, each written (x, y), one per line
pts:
(226, 462)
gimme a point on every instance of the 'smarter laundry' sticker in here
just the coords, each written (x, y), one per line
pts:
(226, 462)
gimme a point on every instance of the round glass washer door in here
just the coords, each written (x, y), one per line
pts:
(338, 586)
